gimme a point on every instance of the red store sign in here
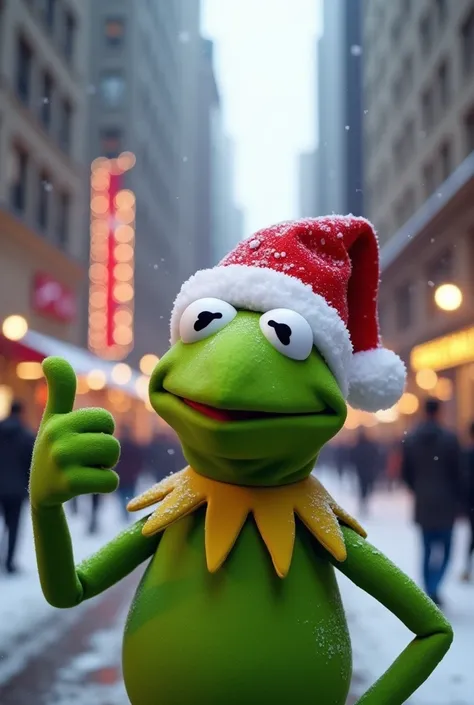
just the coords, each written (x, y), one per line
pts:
(52, 299)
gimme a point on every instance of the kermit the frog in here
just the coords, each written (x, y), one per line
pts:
(239, 602)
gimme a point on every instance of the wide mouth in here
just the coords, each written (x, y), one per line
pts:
(230, 415)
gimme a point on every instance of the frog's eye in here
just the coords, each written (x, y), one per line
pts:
(204, 317)
(288, 332)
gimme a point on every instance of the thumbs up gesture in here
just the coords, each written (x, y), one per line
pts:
(75, 451)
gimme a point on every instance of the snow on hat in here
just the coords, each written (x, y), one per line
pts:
(326, 269)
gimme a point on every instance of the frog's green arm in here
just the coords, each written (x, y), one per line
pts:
(63, 584)
(373, 572)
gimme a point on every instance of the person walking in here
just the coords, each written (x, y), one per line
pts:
(469, 478)
(129, 467)
(432, 469)
(16, 449)
(364, 456)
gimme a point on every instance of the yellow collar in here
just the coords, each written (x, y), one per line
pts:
(229, 505)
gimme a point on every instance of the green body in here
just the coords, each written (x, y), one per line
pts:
(241, 635)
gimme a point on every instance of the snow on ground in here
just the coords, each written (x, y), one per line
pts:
(26, 619)
(377, 636)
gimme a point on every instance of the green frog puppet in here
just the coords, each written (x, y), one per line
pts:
(239, 603)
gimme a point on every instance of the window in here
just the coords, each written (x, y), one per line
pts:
(46, 100)
(112, 88)
(404, 306)
(50, 7)
(429, 179)
(19, 179)
(426, 33)
(23, 75)
(427, 109)
(446, 160)
(114, 31)
(65, 125)
(44, 197)
(110, 142)
(69, 35)
(469, 131)
(444, 86)
(64, 208)
(467, 43)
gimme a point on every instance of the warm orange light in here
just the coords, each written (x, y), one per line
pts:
(124, 233)
(100, 204)
(123, 317)
(408, 404)
(121, 373)
(100, 181)
(141, 385)
(82, 386)
(125, 199)
(444, 389)
(99, 163)
(387, 416)
(448, 297)
(98, 273)
(352, 420)
(123, 335)
(126, 160)
(123, 272)
(15, 327)
(96, 379)
(426, 379)
(123, 293)
(97, 319)
(148, 363)
(99, 227)
(125, 215)
(123, 253)
(29, 370)
(98, 299)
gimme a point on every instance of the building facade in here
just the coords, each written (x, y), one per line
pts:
(419, 137)
(338, 164)
(43, 82)
(146, 102)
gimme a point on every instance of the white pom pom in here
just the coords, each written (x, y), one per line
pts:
(376, 380)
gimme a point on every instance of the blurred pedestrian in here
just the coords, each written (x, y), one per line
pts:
(432, 469)
(94, 515)
(165, 455)
(129, 467)
(16, 448)
(469, 477)
(364, 456)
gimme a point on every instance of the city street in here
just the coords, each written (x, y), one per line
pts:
(65, 657)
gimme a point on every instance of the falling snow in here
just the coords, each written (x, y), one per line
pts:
(356, 50)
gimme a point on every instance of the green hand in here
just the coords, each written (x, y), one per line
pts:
(75, 451)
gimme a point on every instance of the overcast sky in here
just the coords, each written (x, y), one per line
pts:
(265, 66)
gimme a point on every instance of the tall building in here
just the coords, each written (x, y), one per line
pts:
(419, 141)
(308, 206)
(43, 192)
(226, 221)
(147, 105)
(338, 170)
(43, 79)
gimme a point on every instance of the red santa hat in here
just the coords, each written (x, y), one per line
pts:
(326, 269)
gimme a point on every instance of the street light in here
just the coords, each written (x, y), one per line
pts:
(15, 327)
(448, 297)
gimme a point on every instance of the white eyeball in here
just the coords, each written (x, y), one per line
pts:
(288, 332)
(204, 317)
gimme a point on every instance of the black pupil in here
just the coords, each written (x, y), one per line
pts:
(204, 318)
(282, 330)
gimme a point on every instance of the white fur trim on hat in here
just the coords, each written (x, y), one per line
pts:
(261, 290)
(376, 380)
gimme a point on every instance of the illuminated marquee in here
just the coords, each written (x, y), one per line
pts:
(112, 249)
(444, 353)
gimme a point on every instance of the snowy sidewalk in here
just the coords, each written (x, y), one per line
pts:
(377, 636)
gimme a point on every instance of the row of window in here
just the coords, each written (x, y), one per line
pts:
(60, 23)
(49, 209)
(48, 101)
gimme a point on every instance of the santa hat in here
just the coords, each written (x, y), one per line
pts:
(326, 269)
